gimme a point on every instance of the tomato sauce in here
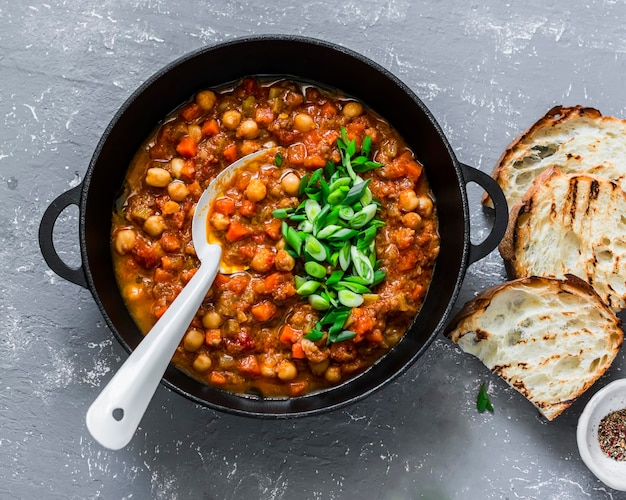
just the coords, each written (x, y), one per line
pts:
(252, 333)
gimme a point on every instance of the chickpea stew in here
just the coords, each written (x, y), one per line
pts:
(333, 237)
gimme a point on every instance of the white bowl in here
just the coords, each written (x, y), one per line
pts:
(607, 400)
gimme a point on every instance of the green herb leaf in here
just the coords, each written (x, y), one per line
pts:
(482, 401)
(278, 159)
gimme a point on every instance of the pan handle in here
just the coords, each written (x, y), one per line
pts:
(46, 243)
(501, 218)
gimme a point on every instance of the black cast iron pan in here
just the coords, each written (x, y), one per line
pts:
(300, 59)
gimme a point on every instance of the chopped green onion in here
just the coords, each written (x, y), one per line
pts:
(314, 248)
(334, 277)
(318, 302)
(278, 159)
(312, 209)
(342, 234)
(346, 213)
(362, 265)
(282, 213)
(349, 299)
(315, 334)
(292, 238)
(345, 335)
(355, 192)
(305, 226)
(327, 231)
(314, 269)
(344, 256)
(338, 195)
(363, 216)
(308, 288)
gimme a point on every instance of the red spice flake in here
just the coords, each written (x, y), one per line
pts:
(612, 435)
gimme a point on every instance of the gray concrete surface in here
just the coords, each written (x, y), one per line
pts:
(487, 70)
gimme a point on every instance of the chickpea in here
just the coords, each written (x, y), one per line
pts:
(320, 367)
(408, 200)
(158, 177)
(286, 370)
(154, 225)
(212, 319)
(176, 165)
(256, 190)
(125, 241)
(290, 184)
(425, 206)
(202, 363)
(248, 147)
(193, 340)
(206, 99)
(231, 119)
(352, 109)
(284, 261)
(267, 371)
(303, 122)
(248, 129)
(133, 292)
(177, 190)
(412, 220)
(219, 221)
(263, 260)
(195, 132)
(333, 374)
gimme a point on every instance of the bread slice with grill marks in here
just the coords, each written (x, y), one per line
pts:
(549, 338)
(575, 139)
(570, 224)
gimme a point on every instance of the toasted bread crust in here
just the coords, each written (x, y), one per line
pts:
(547, 142)
(552, 356)
(570, 223)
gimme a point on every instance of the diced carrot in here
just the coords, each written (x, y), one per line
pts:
(417, 292)
(190, 111)
(314, 162)
(288, 334)
(296, 153)
(195, 189)
(414, 170)
(249, 365)
(239, 283)
(236, 231)
(247, 208)
(188, 172)
(160, 310)
(272, 282)
(230, 153)
(376, 336)
(162, 276)
(298, 387)
(263, 311)
(210, 127)
(187, 274)
(170, 242)
(221, 279)
(172, 262)
(328, 109)
(297, 351)
(217, 378)
(264, 116)
(363, 321)
(213, 337)
(273, 229)
(408, 260)
(224, 205)
(187, 147)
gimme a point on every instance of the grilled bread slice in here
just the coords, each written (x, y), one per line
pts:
(572, 138)
(549, 338)
(570, 223)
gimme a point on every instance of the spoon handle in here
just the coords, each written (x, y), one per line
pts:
(114, 416)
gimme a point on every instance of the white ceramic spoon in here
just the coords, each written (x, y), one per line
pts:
(114, 416)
